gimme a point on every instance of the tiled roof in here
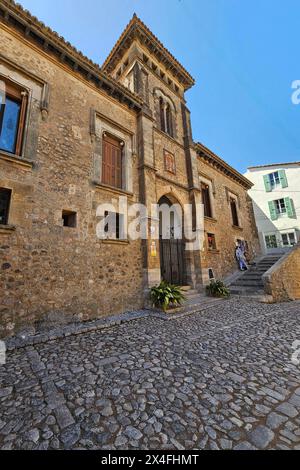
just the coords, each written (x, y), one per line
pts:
(219, 163)
(137, 28)
(273, 165)
(15, 16)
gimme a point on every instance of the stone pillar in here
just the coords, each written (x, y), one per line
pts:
(194, 268)
(147, 180)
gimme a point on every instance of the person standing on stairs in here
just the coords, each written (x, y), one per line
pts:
(240, 257)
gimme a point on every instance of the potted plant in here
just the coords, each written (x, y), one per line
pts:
(165, 295)
(217, 289)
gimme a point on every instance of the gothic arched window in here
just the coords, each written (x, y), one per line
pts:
(169, 123)
(162, 114)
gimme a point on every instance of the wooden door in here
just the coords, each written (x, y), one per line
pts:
(172, 261)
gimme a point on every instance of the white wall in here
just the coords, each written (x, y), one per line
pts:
(260, 198)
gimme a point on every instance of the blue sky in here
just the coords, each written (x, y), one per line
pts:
(242, 53)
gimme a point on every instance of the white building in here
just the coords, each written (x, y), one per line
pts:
(276, 203)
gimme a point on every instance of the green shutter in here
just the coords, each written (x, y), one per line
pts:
(267, 183)
(273, 212)
(290, 209)
(283, 178)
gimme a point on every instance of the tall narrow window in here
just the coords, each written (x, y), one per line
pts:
(169, 124)
(12, 119)
(5, 197)
(112, 161)
(162, 114)
(206, 200)
(235, 219)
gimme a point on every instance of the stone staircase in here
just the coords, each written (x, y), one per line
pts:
(250, 282)
(195, 302)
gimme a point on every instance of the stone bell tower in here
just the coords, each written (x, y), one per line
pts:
(167, 159)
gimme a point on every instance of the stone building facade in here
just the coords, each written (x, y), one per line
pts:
(75, 135)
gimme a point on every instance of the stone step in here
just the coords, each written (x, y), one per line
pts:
(249, 284)
(265, 264)
(259, 270)
(190, 307)
(241, 290)
(250, 275)
(191, 296)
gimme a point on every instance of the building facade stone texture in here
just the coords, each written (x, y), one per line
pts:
(137, 96)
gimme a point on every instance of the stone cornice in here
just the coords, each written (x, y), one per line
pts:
(136, 29)
(33, 30)
(217, 162)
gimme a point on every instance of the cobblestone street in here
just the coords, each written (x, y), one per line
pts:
(222, 379)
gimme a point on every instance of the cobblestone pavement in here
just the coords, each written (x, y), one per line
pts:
(221, 379)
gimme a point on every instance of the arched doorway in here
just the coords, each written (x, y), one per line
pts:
(171, 242)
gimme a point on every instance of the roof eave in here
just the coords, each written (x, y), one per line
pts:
(206, 153)
(137, 29)
(16, 17)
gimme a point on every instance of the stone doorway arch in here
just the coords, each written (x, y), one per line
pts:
(171, 241)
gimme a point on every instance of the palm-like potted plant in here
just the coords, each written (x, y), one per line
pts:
(166, 295)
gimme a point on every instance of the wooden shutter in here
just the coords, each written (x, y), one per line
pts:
(22, 119)
(112, 162)
(267, 183)
(273, 211)
(289, 207)
(19, 95)
(283, 178)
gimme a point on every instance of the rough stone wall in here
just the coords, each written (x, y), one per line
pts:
(47, 270)
(282, 281)
(222, 260)
(44, 267)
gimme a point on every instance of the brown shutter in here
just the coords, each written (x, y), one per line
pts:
(16, 93)
(112, 162)
(22, 120)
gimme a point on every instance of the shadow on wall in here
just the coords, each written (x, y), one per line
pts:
(268, 228)
(282, 280)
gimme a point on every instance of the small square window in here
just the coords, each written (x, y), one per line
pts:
(5, 197)
(211, 240)
(211, 274)
(274, 179)
(271, 241)
(69, 218)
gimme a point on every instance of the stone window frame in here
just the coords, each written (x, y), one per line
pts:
(161, 96)
(133, 77)
(212, 193)
(99, 125)
(38, 99)
(19, 94)
(232, 195)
